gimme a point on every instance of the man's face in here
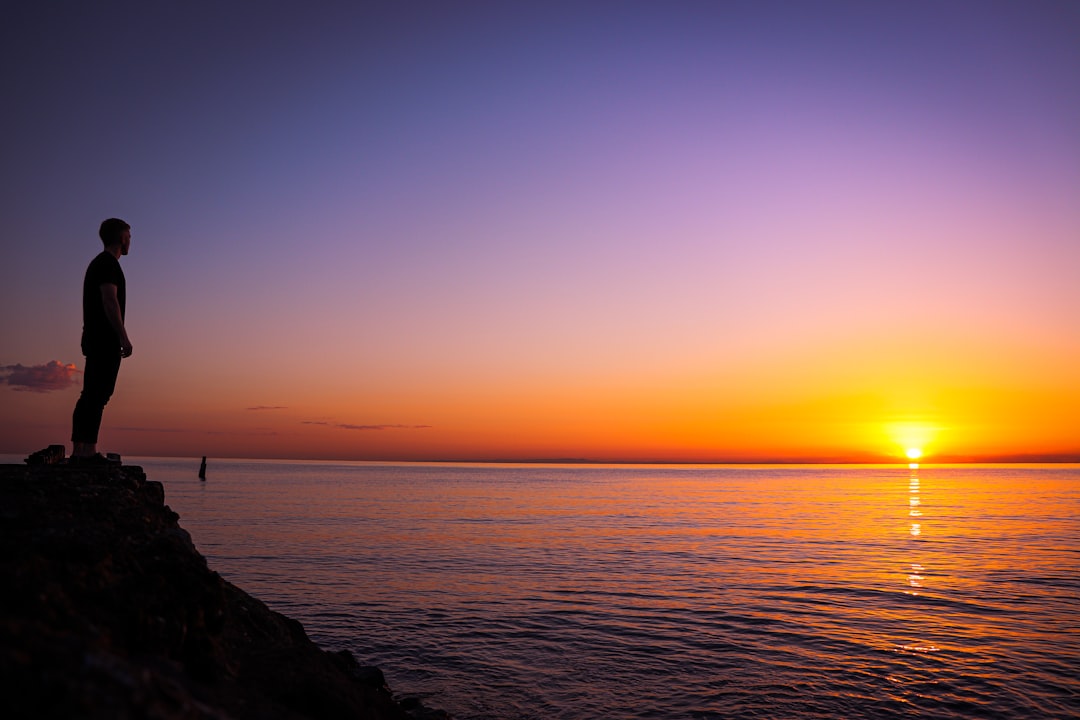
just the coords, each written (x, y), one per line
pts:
(125, 242)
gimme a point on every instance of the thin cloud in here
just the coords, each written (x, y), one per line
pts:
(268, 407)
(349, 426)
(150, 429)
(51, 376)
(346, 426)
(195, 432)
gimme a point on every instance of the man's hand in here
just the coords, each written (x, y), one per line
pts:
(112, 312)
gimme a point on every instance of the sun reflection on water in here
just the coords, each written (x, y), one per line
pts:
(915, 576)
(913, 488)
(916, 572)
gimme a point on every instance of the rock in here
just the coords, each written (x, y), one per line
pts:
(52, 455)
(109, 611)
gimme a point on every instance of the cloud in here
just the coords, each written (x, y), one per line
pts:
(51, 376)
(195, 432)
(150, 429)
(268, 407)
(348, 426)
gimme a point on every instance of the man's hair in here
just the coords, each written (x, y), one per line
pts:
(111, 230)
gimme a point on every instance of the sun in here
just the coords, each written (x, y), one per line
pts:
(912, 437)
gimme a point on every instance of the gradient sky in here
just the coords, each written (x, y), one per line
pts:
(642, 231)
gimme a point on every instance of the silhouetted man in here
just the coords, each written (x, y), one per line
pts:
(104, 339)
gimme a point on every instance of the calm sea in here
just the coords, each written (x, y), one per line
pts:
(526, 591)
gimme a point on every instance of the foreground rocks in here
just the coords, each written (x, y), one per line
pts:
(107, 610)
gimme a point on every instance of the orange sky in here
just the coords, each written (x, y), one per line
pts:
(681, 234)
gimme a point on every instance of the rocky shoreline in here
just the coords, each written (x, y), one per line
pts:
(109, 611)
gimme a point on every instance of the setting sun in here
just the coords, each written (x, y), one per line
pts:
(911, 437)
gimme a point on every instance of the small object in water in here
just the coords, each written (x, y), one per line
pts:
(202, 469)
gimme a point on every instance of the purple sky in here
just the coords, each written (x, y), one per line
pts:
(402, 214)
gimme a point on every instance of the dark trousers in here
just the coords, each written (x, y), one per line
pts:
(99, 381)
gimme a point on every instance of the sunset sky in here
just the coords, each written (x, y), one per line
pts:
(688, 231)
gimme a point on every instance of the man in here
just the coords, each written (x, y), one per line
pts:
(104, 338)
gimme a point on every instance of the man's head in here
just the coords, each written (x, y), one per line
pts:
(114, 232)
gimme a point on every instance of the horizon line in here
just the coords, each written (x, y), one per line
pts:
(1004, 459)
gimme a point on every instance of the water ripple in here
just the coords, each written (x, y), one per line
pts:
(523, 592)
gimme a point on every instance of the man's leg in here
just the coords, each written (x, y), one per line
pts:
(99, 381)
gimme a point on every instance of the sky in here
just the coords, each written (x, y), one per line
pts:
(613, 231)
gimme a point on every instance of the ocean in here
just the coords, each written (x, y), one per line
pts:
(582, 592)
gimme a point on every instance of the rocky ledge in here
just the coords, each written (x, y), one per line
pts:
(107, 610)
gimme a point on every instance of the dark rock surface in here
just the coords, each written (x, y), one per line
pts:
(107, 610)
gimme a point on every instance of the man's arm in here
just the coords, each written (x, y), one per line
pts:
(112, 311)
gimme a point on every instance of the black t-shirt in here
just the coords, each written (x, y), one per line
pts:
(98, 335)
